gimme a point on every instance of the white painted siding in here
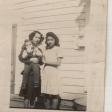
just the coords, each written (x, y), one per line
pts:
(59, 16)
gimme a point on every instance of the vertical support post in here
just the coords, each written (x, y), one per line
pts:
(13, 57)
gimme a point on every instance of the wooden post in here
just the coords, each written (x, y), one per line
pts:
(13, 57)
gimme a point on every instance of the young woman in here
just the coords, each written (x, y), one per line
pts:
(31, 56)
(52, 60)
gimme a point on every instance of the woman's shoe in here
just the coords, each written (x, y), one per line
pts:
(26, 103)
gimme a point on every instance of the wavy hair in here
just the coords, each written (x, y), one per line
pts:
(32, 34)
(53, 35)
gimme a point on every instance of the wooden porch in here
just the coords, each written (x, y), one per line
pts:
(17, 102)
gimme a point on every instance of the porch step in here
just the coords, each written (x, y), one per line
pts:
(66, 105)
(18, 102)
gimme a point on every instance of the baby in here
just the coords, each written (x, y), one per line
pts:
(29, 51)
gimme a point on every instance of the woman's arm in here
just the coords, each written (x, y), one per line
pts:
(25, 59)
(50, 63)
(20, 55)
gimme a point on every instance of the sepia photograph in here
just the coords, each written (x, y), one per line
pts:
(57, 54)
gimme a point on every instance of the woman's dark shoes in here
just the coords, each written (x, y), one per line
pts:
(26, 103)
(39, 104)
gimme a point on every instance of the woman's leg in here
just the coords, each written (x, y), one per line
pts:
(59, 101)
(40, 102)
(47, 101)
(26, 103)
(24, 86)
(27, 69)
(36, 74)
(55, 102)
(36, 84)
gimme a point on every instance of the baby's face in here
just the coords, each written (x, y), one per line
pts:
(28, 45)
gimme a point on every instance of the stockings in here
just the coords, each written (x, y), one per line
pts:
(52, 102)
(44, 102)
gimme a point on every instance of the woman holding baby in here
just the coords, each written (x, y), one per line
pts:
(31, 56)
(35, 87)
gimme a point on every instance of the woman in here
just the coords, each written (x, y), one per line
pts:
(31, 56)
(52, 60)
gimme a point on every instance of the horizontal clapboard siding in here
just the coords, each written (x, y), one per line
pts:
(73, 60)
(72, 74)
(52, 12)
(35, 4)
(59, 31)
(76, 67)
(72, 52)
(72, 89)
(52, 18)
(72, 82)
(59, 16)
(62, 24)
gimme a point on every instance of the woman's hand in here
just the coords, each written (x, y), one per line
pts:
(34, 60)
(23, 47)
(29, 50)
(43, 59)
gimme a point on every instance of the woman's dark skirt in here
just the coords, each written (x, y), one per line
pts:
(30, 91)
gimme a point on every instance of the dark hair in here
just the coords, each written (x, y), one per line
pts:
(54, 36)
(26, 40)
(32, 34)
